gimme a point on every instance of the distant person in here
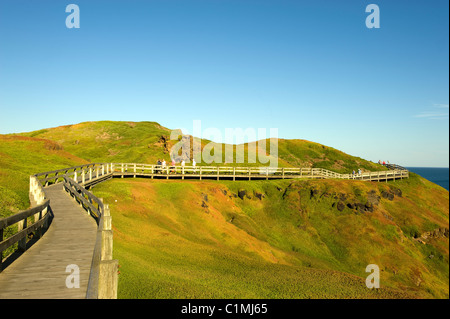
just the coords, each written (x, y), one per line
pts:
(193, 165)
(173, 166)
(359, 171)
(183, 163)
(158, 166)
(163, 165)
(384, 163)
(353, 173)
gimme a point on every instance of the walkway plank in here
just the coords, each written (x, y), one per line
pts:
(41, 271)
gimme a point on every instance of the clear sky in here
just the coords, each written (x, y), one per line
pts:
(311, 69)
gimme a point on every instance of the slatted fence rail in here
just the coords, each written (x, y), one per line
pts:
(229, 172)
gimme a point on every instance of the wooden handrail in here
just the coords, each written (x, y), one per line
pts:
(40, 221)
(135, 169)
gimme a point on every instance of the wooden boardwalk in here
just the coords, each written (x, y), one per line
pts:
(41, 271)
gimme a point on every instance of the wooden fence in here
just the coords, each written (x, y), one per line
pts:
(229, 172)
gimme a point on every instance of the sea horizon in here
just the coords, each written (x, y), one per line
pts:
(437, 175)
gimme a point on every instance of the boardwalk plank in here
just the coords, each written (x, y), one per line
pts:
(41, 271)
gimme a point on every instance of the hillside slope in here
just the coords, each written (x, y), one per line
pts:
(21, 157)
(269, 239)
(146, 142)
(278, 239)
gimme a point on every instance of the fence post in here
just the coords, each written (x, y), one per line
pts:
(108, 277)
(22, 244)
(1, 252)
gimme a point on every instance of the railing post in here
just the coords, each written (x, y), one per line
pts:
(234, 173)
(82, 177)
(1, 252)
(108, 278)
(22, 244)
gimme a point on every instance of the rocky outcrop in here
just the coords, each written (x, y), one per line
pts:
(437, 233)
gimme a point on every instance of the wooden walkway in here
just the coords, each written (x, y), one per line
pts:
(41, 271)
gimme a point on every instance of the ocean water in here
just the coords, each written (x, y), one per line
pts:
(437, 175)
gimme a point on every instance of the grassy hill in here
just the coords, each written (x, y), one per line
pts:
(21, 157)
(145, 142)
(258, 239)
(283, 239)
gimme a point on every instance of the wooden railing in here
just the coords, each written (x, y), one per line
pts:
(40, 213)
(103, 277)
(84, 174)
(229, 172)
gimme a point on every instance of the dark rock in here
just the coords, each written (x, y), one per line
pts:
(387, 195)
(360, 207)
(242, 193)
(396, 191)
(205, 197)
(340, 206)
(313, 193)
(351, 206)
(368, 207)
(372, 198)
(258, 195)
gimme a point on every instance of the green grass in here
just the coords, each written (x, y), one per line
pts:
(141, 142)
(287, 245)
(198, 239)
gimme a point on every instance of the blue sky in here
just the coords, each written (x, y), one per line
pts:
(311, 69)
